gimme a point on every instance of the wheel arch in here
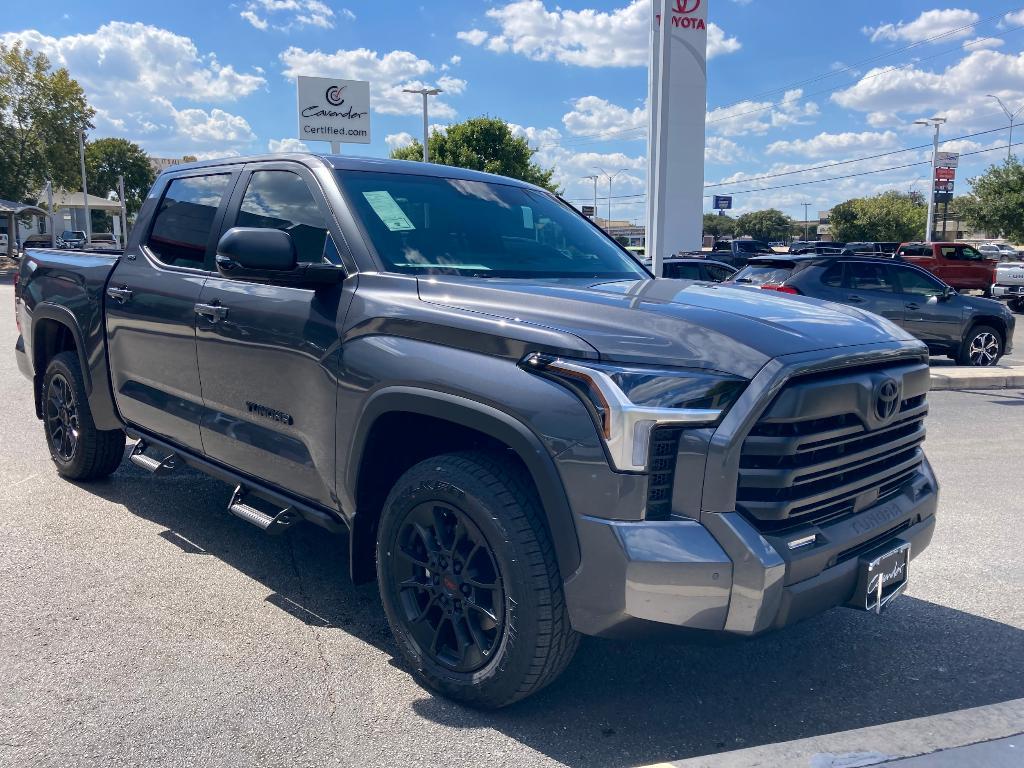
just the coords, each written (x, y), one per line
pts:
(55, 330)
(442, 423)
(990, 320)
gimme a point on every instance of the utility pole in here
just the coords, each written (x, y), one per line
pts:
(1011, 116)
(124, 211)
(85, 190)
(610, 177)
(936, 123)
(52, 219)
(806, 217)
(425, 92)
(593, 178)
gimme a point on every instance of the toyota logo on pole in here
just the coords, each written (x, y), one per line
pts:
(687, 6)
(683, 15)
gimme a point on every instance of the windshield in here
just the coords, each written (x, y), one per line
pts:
(427, 225)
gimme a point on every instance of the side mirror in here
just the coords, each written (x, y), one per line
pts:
(268, 256)
(947, 293)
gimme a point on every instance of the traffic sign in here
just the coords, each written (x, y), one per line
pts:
(588, 211)
(945, 174)
(722, 203)
(947, 159)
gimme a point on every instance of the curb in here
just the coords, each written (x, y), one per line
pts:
(977, 378)
(879, 744)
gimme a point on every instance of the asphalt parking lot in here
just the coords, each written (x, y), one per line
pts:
(143, 625)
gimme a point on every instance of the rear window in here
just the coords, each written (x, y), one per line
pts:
(683, 271)
(184, 220)
(762, 274)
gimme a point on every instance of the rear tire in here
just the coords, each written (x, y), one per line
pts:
(78, 449)
(469, 581)
(982, 348)
(1017, 305)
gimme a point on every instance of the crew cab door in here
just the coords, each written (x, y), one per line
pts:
(870, 286)
(935, 321)
(268, 353)
(149, 307)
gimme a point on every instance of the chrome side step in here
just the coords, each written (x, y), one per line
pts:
(274, 524)
(154, 466)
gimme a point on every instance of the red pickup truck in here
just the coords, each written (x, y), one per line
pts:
(958, 264)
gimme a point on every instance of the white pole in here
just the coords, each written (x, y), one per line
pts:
(595, 196)
(85, 190)
(653, 90)
(426, 137)
(124, 211)
(335, 147)
(930, 231)
(52, 218)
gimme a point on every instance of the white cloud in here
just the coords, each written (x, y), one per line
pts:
(836, 145)
(136, 76)
(977, 43)
(455, 60)
(390, 74)
(597, 117)
(586, 38)
(472, 36)
(758, 117)
(286, 15)
(1012, 19)
(893, 97)
(943, 24)
(722, 151)
(398, 140)
(287, 145)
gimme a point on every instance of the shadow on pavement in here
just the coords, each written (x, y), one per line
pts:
(632, 703)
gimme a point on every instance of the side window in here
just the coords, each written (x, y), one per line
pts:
(685, 271)
(718, 274)
(969, 254)
(184, 221)
(281, 200)
(951, 253)
(912, 281)
(869, 277)
(833, 276)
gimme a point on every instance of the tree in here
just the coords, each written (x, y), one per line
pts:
(891, 216)
(996, 204)
(766, 225)
(482, 144)
(41, 113)
(106, 159)
(718, 225)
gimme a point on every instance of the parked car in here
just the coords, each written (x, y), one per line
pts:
(695, 268)
(971, 330)
(821, 247)
(36, 241)
(1008, 253)
(958, 264)
(736, 252)
(875, 248)
(104, 240)
(71, 238)
(494, 400)
(1009, 285)
(990, 251)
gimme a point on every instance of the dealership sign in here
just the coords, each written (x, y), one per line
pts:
(947, 159)
(722, 203)
(334, 110)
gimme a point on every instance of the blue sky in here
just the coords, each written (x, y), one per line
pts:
(792, 84)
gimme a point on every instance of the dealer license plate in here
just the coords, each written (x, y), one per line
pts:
(882, 576)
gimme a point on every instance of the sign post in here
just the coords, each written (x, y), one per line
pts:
(333, 110)
(677, 94)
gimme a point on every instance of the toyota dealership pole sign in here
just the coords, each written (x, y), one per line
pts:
(677, 94)
(333, 110)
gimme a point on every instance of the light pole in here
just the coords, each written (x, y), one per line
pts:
(593, 178)
(85, 190)
(936, 123)
(806, 217)
(425, 92)
(1011, 116)
(610, 177)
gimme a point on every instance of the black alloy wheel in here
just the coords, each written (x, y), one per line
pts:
(62, 418)
(450, 588)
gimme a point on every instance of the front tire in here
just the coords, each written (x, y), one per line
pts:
(1017, 305)
(982, 348)
(469, 581)
(78, 449)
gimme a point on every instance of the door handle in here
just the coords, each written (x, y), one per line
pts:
(213, 312)
(854, 299)
(913, 305)
(120, 295)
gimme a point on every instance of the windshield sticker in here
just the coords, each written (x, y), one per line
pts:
(389, 211)
(527, 216)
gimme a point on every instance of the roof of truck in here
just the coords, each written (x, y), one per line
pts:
(348, 163)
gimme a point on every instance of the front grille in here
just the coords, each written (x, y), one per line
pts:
(662, 465)
(819, 454)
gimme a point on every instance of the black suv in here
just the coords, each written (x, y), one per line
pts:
(971, 330)
(525, 436)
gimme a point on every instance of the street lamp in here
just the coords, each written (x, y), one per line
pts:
(593, 178)
(85, 190)
(936, 123)
(806, 217)
(425, 92)
(610, 178)
(1011, 116)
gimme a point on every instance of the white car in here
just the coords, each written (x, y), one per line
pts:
(1010, 284)
(990, 251)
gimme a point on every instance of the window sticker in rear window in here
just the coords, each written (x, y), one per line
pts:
(389, 211)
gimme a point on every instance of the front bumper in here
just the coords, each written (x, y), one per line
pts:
(1008, 291)
(722, 575)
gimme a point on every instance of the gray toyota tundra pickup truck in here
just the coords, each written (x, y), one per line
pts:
(524, 436)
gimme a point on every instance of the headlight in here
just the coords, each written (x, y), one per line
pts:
(627, 401)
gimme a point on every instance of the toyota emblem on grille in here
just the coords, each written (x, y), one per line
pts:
(887, 399)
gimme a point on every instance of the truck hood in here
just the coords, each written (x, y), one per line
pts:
(669, 322)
